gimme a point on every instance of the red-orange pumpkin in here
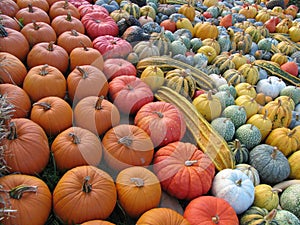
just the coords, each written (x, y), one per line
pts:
(44, 81)
(210, 210)
(183, 170)
(76, 146)
(48, 53)
(163, 122)
(138, 190)
(96, 114)
(32, 13)
(162, 216)
(42, 4)
(127, 145)
(62, 7)
(27, 147)
(116, 67)
(53, 114)
(90, 189)
(65, 23)
(9, 7)
(12, 70)
(29, 196)
(18, 97)
(85, 9)
(85, 56)
(9, 22)
(86, 81)
(129, 93)
(97, 222)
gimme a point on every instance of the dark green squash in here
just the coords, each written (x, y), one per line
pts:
(239, 150)
(258, 216)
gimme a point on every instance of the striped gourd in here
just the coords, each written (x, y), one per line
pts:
(133, 9)
(285, 48)
(162, 42)
(250, 72)
(234, 77)
(223, 62)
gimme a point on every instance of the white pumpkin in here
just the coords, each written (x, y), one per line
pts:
(270, 86)
(218, 79)
(235, 187)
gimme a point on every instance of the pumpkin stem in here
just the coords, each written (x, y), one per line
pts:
(66, 5)
(190, 162)
(17, 192)
(159, 114)
(139, 182)
(12, 135)
(209, 95)
(46, 106)
(75, 138)
(126, 140)
(270, 216)
(43, 71)
(98, 105)
(237, 144)
(215, 219)
(50, 46)
(129, 87)
(265, 115)
(30, 8)
(35, 25)
(274, 153)
(86, 187)
(291, 133)
(82, 71)
(276, 190)
(239, 182)
(3, 32)
(85, 48)
(74, 33)
(69, 16)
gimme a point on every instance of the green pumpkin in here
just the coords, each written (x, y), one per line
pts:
(239, 150)
(178, 47)
(225, 98)
(196, 43)
(265, 44)
(228, 87)
(237, 115)
(293, 92)
(286, 217)
(258, 216)
(224, 127)
(250, 171)
(271, 164)
(224, 42)
(249, 135)
(290, 199)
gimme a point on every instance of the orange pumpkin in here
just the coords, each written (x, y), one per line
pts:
(206, 30)
(97, 222)
(85, 56)
(43, 81)
(162, 216)
(32, 13)
(48, 53)
(42, 4)
(65, 23)
(9, 8)
(86, 81)
(138, 190)
(96, 114)
(53, 114)
(63, 7)
(76, 146)
(183, 170)
(13, 42)
(90, 189)
(12, 71)
(18, 97)
(27, 147)
(127, 145)
(9, 22)
(29, 196)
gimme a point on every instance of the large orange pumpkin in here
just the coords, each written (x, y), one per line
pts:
(29, 196)
(90, 189)
(42, 4)
(27, 147)
(183, 170)
(32, 13)
(12, 70)
(97, 222)
(85, 81)
(162, 121)
(210, 210)
(53, 114)
(138, 190)
(9, 7)
(127, 145)
(44, 81)
(62, 7)
(18, 97)
(162, 216)
(96, 114)
(76, 146)
(65, 23)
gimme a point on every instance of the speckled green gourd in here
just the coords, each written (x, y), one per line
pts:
(225, 98)
(249, 135)
(290, 199)
(228, 87)
(237, 114)
(286, 217)
(224, 127)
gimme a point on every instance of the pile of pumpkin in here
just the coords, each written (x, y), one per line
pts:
(149, 112)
